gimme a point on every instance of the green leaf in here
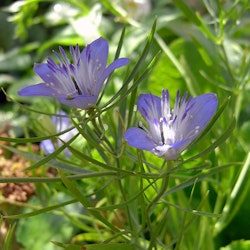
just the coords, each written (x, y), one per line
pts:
(72, 187)
(14, 60)
(36, 232)
(39, 211)
(134, 72)
(237, 196)
(73, 247)
(23, 16)
(8, 241)
(32, 139)
(187, 11)
(165, 72)
(67, 246)
(238, 245)
(63, 40)
(110, 246)
(195, 18)
(198, 178)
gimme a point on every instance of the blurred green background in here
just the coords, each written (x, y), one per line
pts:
(204, 48)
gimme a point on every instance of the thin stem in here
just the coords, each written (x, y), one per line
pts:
(165, 182)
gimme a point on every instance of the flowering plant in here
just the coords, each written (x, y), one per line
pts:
(170, 131)
(78, 83)
(89, 187)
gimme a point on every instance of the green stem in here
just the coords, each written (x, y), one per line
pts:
(100, 131)
(165, 182)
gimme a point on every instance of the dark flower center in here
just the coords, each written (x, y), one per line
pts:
(76, 86)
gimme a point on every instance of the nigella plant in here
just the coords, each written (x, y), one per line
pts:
(61, 123)
(77, 82)
(170, 131)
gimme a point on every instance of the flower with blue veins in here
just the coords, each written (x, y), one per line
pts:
(170, 131)
(77, 82)
(60, 123)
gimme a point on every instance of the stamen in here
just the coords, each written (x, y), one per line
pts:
(197, 129)
(162, 134)
(76, 86)
(69, 97)
(141, 126)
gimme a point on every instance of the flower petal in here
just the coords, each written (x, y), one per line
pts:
(38, 90)
(47, 146)
(138, 138)
(201, 110)
(46, 74)
(179, 146)
(78, 83)
(114, 65)
(61, 121)
(82, 102)
(149, 107)
(171, 131)
(171, 152)
(97, 50)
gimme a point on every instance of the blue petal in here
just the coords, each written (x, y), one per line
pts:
(47, 146)
(98, 49)
(114, 65)
(82, 102)
(138, 138)
(46, 74)
(38, 90)
(179, 146)
(60, 116)
(93, 63)
(202, 109)
(94, 57)
(149, 107)
(61, 121)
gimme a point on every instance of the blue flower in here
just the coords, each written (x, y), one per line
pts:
(77, 83)
(61, 123)
(170, 131)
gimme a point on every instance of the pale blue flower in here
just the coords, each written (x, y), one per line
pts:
(77, 82)
(61, 123)
(170, 131)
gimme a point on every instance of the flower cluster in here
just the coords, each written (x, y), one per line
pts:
(169, 131)
(77, 83)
